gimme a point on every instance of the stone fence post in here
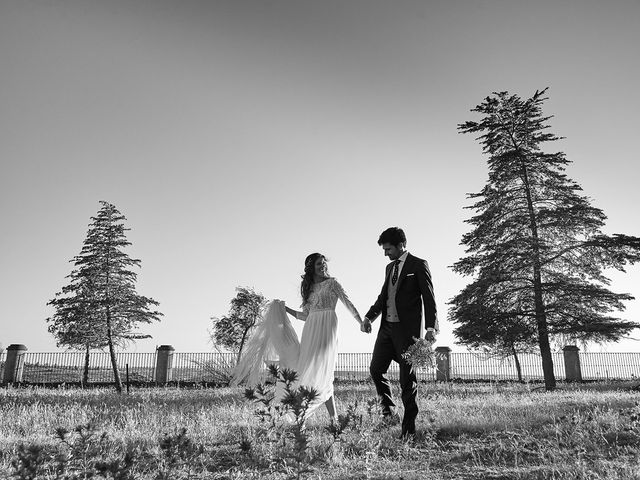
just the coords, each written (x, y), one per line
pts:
(164, 364)
(572, 363)
(443, 364)
(14, 364)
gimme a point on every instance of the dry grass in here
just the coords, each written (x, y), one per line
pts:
(465, 431)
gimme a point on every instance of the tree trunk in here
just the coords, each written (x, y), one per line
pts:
(85, 371)
(541, 317)
(543, 334)
(518, 366)
(112, 354)
(242, 342)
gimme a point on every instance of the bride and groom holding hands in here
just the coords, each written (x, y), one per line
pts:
(406, 294)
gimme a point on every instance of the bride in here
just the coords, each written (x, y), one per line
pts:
(314, 356)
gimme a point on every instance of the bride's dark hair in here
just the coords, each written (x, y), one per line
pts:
(307, 278)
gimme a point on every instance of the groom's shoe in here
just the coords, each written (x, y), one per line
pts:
(407, 434)
(408, 429)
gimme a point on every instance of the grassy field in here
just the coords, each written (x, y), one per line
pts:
(465, 431)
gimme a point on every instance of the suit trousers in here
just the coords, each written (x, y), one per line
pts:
(392, 341)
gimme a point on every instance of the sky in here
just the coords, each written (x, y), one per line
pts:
(238, 136)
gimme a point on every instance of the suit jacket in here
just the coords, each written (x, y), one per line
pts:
(414, 291)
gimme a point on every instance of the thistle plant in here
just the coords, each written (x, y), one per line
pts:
(349, 421)
(178, 451)
(80, 450)
(284, 420)
(29, 461)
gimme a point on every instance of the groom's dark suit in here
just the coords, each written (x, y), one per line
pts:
(413, 291)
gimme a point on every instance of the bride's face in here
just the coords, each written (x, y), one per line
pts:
(321, 267)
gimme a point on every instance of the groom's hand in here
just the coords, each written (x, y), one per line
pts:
(430, 336)
(366, 325)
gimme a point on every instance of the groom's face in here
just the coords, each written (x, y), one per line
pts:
(392, 251)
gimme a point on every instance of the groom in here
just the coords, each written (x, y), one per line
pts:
(407, 288)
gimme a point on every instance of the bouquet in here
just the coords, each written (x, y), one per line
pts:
(420, 354)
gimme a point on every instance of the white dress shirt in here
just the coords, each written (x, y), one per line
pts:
(403, 259)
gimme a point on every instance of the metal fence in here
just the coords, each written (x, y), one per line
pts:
(213, 367)
(207, 367)
(471, 366)
(68, 367)
(604, 366)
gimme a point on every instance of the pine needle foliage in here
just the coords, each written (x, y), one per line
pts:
(100, 306)
(537, 252)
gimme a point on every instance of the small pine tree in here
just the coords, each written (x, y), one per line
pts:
(100, 306)
(536, 250)
(491, 325)
(75, 324)
(232, 331)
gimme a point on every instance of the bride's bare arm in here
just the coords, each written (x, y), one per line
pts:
(299, 315)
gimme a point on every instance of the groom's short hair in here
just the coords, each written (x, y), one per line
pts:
(393, 235)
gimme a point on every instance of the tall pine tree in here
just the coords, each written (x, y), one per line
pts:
(536, 251)
(100, 306)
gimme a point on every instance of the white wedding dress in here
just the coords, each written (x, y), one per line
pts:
(314, 356)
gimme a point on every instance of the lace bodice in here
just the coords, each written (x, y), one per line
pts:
(324, 296)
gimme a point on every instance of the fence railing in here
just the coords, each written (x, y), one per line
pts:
(470, 366)
(166, 366)
(68, 367)
(207, 367)
(604, 366)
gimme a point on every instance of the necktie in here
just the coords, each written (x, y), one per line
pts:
(396, 267)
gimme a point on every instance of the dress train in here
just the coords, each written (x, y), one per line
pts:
(274, 340)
